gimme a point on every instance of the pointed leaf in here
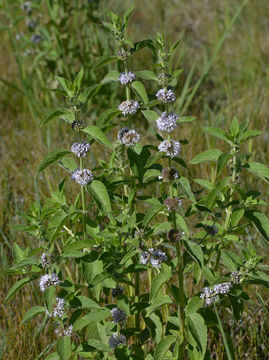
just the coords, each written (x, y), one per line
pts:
(64, 348)
(98, 135)
(32, 313)
(140, 90)
(51, 158)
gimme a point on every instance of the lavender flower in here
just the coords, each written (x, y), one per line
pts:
(212, 230)
(36, 39)
(155, 257)
(68, 331)
(31, 24)
(78, 125)
(118, 315)
(47, 281)
(172, 203)
(129, 107)
(222, 288)
(45, 260)
(82, 177)
(80, 148)
(117, 291)
(169, 174)
(167, 96)
(174, 235)
(236, 277)
(27, 7)
(128, 137)
(126, 78)
(116, 340)
(65, 332)
(58, 310)
(209, 296)
(167, 122)
(171, 148)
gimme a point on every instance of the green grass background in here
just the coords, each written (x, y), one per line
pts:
(236, 83)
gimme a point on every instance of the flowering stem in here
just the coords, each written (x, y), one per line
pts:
(229, 210)
(227, 348)
(83, 200)
(137, 315)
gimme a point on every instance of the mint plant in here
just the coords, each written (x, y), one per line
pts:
(146, 260)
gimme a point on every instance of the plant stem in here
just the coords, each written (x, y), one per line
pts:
(227, 348)
(83, 200)
(137, 315)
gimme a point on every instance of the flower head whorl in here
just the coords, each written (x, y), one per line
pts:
(128, 137)
(118, 315)
(82, 177)
(167, 96)
(172, 203)
(80, 148)
(126, 78)
(171, 148)
(129, 107)
(116, 340)
(167, 122)
(47, 281)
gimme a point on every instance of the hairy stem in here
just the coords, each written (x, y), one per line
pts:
(83, 201)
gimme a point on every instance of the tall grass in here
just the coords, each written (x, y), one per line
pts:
(232, 78)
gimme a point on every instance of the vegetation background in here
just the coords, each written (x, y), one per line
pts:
(236, 83)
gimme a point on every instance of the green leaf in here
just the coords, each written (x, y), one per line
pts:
(98, 135)
(164, 275)
(230, 260)
(104, 60)
(68, 164)
(98, 192)
(194, 304)
(204, 183)
(83, 302)
(94, 315)
(186, 119)
(107, 116)
(185, 188)
(150, 115)
(151, 174)
(222, 162)
(259, 169)
(236, 216)
(49, 296)
(211, 198)
(64, 348)
(51, 158)
(260, 220)
(15, 288)
(146, 74)
(65, 84)
(151, 213)
(206, 156)
(181, 223)
(249, 135)
(164, 346)
(53, 356)
(234, 129)
(54, 114)
(140, 91)
(111, 76)
(198, 330)
(78, 81)
(218, 133)
(89, 93)
(195, 251)
(157, 303)
(32, 313)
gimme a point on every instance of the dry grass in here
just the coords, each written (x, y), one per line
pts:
(238, 83)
